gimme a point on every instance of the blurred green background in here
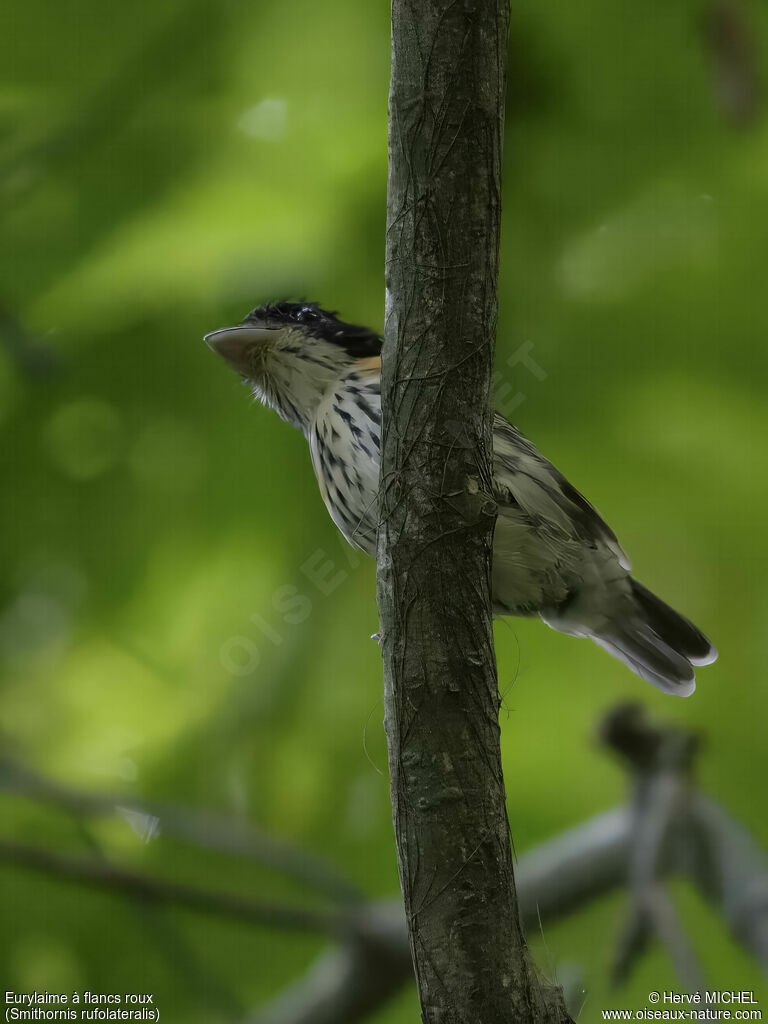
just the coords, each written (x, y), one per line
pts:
(163, 167)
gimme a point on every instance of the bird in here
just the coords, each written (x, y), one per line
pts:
(553, 555)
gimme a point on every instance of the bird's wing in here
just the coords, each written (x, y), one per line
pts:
(525, 480)
(553, 555)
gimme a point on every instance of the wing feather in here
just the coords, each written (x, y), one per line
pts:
(525, 478)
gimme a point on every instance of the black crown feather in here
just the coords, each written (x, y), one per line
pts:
(316, 322)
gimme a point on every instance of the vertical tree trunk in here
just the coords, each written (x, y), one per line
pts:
(437, 516)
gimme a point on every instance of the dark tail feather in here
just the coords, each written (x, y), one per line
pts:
(674, 629)
(656, 642)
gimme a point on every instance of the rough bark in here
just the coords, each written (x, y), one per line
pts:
(437, 516)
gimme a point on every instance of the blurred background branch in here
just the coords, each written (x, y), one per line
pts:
(668, 830)
(154, 890)
(729, 39)
(33, 358)
(208, 831)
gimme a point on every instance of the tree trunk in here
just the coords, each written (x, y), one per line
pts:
(437, 516)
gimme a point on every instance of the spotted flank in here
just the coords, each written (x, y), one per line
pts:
(344, 444)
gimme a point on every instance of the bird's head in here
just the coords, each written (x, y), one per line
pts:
(290, 353)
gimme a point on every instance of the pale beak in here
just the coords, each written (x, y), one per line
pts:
(235, 344)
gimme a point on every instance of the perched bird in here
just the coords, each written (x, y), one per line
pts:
(553, 555)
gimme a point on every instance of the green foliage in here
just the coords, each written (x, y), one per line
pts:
(164, 167)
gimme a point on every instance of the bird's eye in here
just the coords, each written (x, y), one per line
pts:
(308, 315)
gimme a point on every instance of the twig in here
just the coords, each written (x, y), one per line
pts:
(88, 871)
(208, 831)
(31, 356)
(662, 797)
(731, 872)
(349, 982)
(729, 41)
(197, 974)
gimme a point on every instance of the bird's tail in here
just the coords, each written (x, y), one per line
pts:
(655, 641)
